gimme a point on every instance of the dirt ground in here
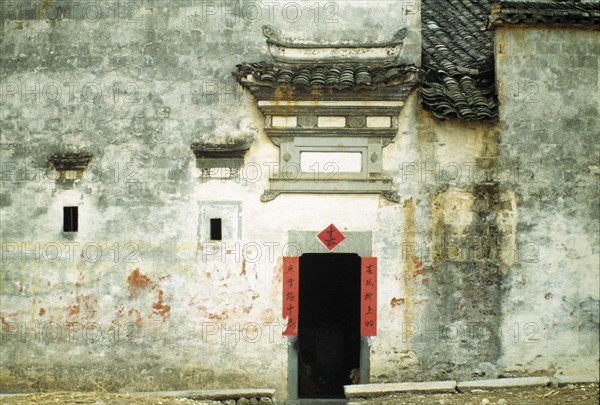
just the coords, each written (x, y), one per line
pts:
(95, 398)
(587, 394)
(572, 394)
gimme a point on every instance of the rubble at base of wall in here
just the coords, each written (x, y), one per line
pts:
(218, 397)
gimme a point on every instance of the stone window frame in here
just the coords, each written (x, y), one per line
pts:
(208, 209)
(291, 154)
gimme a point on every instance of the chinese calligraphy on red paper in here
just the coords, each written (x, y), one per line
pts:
(331, 237)
(368, 292)
(290, 295)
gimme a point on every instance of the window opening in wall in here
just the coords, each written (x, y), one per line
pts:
(70, 218)
(215, 229)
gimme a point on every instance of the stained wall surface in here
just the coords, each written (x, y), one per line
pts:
(488, 265)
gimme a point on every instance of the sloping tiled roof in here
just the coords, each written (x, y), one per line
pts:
(458, 59)
(545, 12)
(338, 77)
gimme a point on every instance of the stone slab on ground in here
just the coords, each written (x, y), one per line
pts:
(466, 386)
(378, 390)
(563, 380)
(214, 395)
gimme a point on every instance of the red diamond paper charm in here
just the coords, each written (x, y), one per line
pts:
(331, 237)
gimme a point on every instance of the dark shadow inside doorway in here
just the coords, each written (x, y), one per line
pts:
(328, 323)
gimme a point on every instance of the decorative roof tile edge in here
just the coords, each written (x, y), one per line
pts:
(256, 74)
(70, 160)
(310, 53)
(235, 148)
(537, 13)
(463, 97)
(274, 36)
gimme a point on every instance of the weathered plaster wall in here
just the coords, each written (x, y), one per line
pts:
(449, 286)
(139, 300)
(548, 87)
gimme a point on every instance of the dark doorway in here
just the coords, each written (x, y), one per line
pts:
(328, 324)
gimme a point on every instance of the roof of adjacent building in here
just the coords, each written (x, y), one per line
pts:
(572, 13)
(458, 48)
(458, 59)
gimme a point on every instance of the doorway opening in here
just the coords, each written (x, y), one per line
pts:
(329, 342)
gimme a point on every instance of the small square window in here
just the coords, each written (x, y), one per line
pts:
(216, 229)
(70, 217)
(219, 221)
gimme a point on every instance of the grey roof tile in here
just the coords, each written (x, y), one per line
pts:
(338, 77)
(458, 59)
(546, 12)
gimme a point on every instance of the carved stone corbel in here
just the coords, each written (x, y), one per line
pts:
(391, 196)
(269, 195)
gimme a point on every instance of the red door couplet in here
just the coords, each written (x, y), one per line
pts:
(291, 281)
(368, 296)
